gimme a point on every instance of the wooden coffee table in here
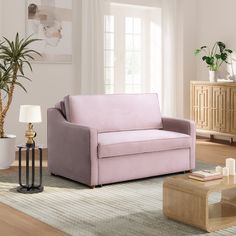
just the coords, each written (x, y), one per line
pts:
(186, 200)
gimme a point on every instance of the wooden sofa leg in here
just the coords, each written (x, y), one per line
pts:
(188, 171)
(93, 186)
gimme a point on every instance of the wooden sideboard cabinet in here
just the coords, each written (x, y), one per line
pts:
(213, 107)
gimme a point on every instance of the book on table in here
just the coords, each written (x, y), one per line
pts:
(205, 175)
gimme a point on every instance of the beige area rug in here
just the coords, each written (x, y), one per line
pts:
(129, 209)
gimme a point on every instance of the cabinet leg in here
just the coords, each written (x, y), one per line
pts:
(231, 141)
(211, 137)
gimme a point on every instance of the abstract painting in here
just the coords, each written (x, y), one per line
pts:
(51, 21)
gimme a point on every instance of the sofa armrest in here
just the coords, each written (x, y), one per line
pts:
(72, 149)
(179, 125)
(185, 127)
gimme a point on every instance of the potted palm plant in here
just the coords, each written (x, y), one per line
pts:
(214, 57)
(14, 57)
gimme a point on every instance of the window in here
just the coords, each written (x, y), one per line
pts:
(133, 54)
(132, 44)
(109, 53)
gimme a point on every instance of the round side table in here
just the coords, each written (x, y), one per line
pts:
(30, 186)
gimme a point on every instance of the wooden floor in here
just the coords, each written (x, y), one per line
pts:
(214, 152)
(13, 222)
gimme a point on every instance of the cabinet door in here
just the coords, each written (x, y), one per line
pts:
(221, 109)
(200, 106)
(233, 111)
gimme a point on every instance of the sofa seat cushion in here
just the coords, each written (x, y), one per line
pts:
(140, 141)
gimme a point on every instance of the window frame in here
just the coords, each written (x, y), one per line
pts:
(120, 12)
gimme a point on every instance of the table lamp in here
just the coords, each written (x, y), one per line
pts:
(30, 114)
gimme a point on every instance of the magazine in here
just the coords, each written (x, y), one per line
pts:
(205, 175)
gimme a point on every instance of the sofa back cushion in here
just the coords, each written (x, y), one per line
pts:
(115, 112)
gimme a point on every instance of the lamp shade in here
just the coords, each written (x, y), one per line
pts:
(30, 114)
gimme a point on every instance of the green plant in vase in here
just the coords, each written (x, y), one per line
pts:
(15, 57)
(214, 57)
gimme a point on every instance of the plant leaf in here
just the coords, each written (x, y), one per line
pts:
(22, 76)
(224, 56)
(221, 46)
(210, 61)
(20, 85)
(197, 51)
(228, 50)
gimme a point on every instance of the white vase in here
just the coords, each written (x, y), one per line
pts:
(7, 151)
(212, 76)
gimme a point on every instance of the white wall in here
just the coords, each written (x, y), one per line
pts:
(1, 13)
(215, 22)
(50, 82)
(186, 64)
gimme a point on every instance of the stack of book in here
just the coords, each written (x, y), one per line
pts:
(205, 175)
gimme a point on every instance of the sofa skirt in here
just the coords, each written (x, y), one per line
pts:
(123, 168)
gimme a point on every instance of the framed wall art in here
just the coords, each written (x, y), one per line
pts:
(50, 21)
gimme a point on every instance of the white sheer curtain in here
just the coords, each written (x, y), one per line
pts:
(92, 52)
(171, 61)
(89, 64)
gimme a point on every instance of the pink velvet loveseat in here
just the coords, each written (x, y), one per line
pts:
(100, 139)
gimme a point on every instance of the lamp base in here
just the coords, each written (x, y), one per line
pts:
(31, 190)
(30, 134)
